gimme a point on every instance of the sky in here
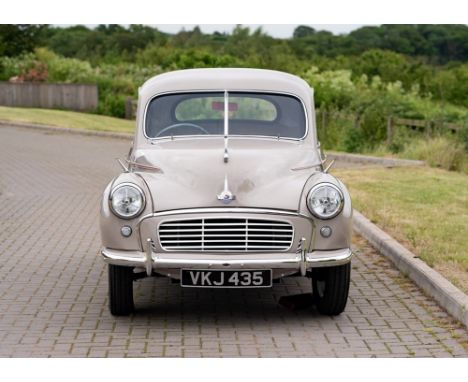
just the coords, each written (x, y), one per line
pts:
(275, 30)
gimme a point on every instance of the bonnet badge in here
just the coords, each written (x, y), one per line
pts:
(226, 196)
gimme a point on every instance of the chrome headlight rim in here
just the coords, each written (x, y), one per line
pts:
(317, 186)
(143, 200)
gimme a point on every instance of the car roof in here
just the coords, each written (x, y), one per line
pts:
(234, 79)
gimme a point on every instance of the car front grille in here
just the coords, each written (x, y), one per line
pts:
(226, 234)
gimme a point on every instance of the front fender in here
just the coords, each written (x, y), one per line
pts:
(110, 224)
(341, 224)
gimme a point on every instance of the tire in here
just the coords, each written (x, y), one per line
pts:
(120, 290)
(330, 288)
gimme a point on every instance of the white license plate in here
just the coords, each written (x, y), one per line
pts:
(207, 278)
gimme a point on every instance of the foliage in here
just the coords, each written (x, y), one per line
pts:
(410, 71)
(16, 39)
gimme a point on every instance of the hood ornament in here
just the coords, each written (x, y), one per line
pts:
(226, 196)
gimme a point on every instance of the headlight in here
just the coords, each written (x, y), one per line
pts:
(325, 200)
(127, 200)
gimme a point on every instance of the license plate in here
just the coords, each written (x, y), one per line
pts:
(207, 278)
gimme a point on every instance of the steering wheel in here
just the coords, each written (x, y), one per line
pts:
(176, 125)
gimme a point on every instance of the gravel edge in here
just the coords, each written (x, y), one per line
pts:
(366, 159)
(452, 299)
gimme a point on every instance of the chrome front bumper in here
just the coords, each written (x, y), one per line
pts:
(301, 262)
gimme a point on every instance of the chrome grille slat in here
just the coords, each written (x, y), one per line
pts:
(281, 234)
(231, 230)
(225, 224)
(223, 241)
(225, 234)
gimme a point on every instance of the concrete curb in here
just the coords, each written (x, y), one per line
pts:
(452, 299)
(367, 159)
(56, 129)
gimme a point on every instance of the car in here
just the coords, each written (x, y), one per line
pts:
(226, 186)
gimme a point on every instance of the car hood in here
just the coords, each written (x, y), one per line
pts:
(260, 173)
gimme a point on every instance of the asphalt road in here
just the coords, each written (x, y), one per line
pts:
(53, 283)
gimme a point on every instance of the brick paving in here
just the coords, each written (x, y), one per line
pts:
(53, 283)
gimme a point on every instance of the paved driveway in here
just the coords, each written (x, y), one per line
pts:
(53, 284)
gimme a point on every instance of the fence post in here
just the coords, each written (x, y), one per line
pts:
(430, 125)
(389, 130)
(128, 108)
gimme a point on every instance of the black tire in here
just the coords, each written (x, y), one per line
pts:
(330, 288)
(120, 290)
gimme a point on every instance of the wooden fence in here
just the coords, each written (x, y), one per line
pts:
(130, 108)
(427, 126)
(77, 97)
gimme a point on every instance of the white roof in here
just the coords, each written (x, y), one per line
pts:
(226, 79)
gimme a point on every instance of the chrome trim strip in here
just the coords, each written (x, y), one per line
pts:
(224, 210)
(307, 118)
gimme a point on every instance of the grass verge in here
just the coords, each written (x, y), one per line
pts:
(425, 209)
(70, 119)
(440, 152)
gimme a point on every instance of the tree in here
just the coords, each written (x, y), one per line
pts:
(303, 31)
(19, 38)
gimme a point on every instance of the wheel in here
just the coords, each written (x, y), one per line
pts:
(330, 288)
(120, 290)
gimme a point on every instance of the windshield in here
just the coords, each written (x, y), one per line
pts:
(261, 114)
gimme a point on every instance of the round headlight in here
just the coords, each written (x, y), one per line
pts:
(325, 200)
(127, 200)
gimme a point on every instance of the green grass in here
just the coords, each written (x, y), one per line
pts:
(426, 209)
(68, 119)
(440, 152)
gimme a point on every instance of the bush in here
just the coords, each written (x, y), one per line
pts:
(16, 66)
(65, 70)
(439, 152)
(113, 105)
(353, 140)
(331, 88)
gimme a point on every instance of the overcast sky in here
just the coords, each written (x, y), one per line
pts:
(275, 30)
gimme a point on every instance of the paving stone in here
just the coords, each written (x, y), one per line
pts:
(53, 284)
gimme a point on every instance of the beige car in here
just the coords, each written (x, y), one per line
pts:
(225, 187)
